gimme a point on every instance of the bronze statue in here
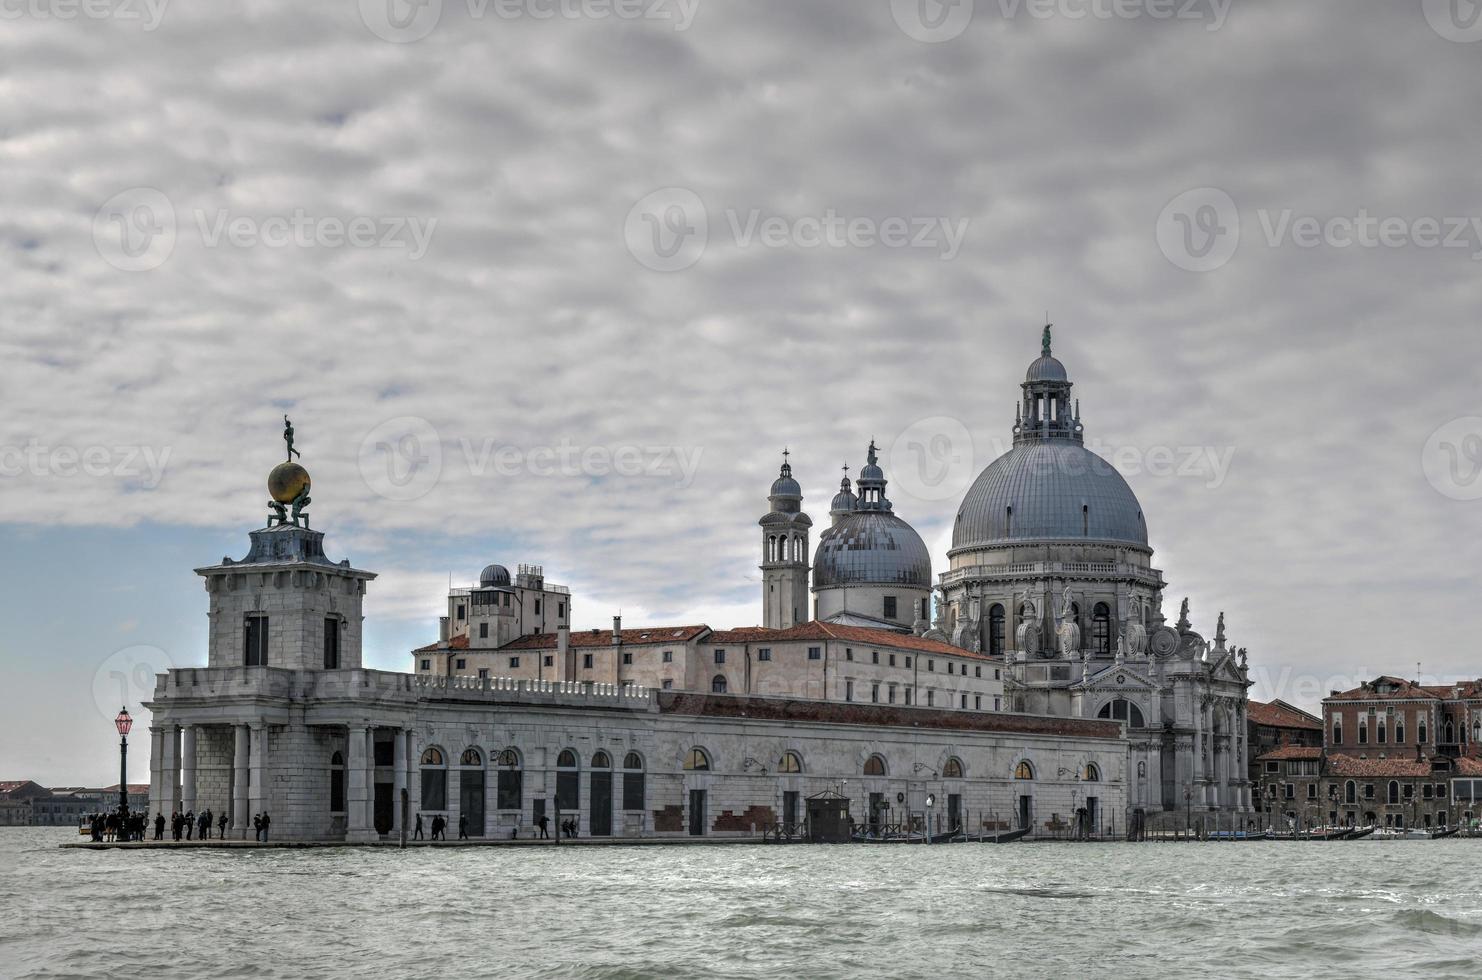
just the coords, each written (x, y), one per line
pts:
(1045, 341)
(288, 438)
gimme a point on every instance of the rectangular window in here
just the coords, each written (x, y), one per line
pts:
(997, 704)
(849, 654)
(462, 663)
(848, 690)
(951, 667)
(963, 703)
(1273, 767)
(931, 699)
(514, 663)
(908, 695)
(875, 693)
(978, 671)
(483, 631)
(549, 660)
(1337, 730)
(892, 660)
(995, 674)
(908, 663)
(633, 791)
(720, 656)
(255, 641)
(765, 653)
(668, 684)
(537, 607)
(627, 656)
(586, 661)
(874, 656)
(890, 607)
(668, 656)
(977, 702)
(931, 666)
(427, 665)
(461, 613)
(815, 653)
(890, 694)
(560, 610)
(331, 643)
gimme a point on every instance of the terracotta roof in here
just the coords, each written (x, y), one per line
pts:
(643, 635)
(743, 634)
(1291, 752)
(1279, 714)
(459, 642)
(850, 713)
(1351, 765)
(1403, 691)
(863, 635)
(1468, 766)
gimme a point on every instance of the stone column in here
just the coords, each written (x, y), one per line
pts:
(169, 770)
(357, 785)
(414, 779)
(241, 819)
(398, 777)
(257, 750)
(188, 768)
(491, 797)
(156, 784)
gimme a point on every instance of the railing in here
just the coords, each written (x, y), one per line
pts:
(463, 682)
(1051, 568)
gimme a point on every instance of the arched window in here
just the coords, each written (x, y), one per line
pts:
(697, 760)
(511, 788)
(1092, 774)
(1350, 792)
(718, 684)
(995, 630)
(337, 783)
(568, 781)
(790, 763)
(633, 788)
(1101, 642)
(1394, 791)
(471, 757)
(1024, 770)
(601, 761)
(434, 780)
(953, 768)
(874, 766)
(1122, 710)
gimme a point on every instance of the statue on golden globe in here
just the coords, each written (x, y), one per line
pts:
(288, 486)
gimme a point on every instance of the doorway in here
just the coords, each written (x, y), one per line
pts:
(954, 811)
(383, 808)
(789, 809)
(599, 824)
(697, 813)
(471, 799)
(1026, 804)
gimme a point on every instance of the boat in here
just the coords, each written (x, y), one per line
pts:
(944, 837)
(1239, 835)
(1358, 833)
(1000, 837)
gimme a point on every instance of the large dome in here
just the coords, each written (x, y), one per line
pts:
(1057, 489)
(870, 547)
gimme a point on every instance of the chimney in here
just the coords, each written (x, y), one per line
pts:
(442, 629)
(563, 642)
(617, 629)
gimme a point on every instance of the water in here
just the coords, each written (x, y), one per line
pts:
(1022, 910)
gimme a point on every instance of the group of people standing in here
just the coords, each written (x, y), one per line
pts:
(120, 825)
(189, 826)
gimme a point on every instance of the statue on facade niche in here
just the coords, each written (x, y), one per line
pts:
(1137, 634)
(1067, 630)
(1183, 615)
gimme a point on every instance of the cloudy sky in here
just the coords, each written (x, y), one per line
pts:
(555, 281)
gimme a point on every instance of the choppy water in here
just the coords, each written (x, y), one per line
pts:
(1024, 910)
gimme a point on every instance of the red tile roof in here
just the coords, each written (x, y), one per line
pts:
(850, 713)
(1291, 752)
(459, 642)
(1468, 766)
(643, 635)
(1351, 765)
(1279, 714)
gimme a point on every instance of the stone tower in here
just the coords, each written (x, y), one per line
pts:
(785, 553)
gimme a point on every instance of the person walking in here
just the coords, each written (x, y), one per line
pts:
(463, 826)
(417, 834)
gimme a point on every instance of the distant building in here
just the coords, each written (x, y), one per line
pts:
(1395, 753)
(1272, 725)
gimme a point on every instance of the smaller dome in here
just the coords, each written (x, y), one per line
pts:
(844, 500)
(494, 575)
(1046, 368)
(786, 486)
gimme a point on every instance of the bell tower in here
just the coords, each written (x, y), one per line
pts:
(785, 553)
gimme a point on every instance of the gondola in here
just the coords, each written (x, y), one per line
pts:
(1359, 832)
(1001, 837)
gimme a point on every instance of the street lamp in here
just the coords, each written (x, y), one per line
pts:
(123, 722)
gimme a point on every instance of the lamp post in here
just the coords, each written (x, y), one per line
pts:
(123, 722)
